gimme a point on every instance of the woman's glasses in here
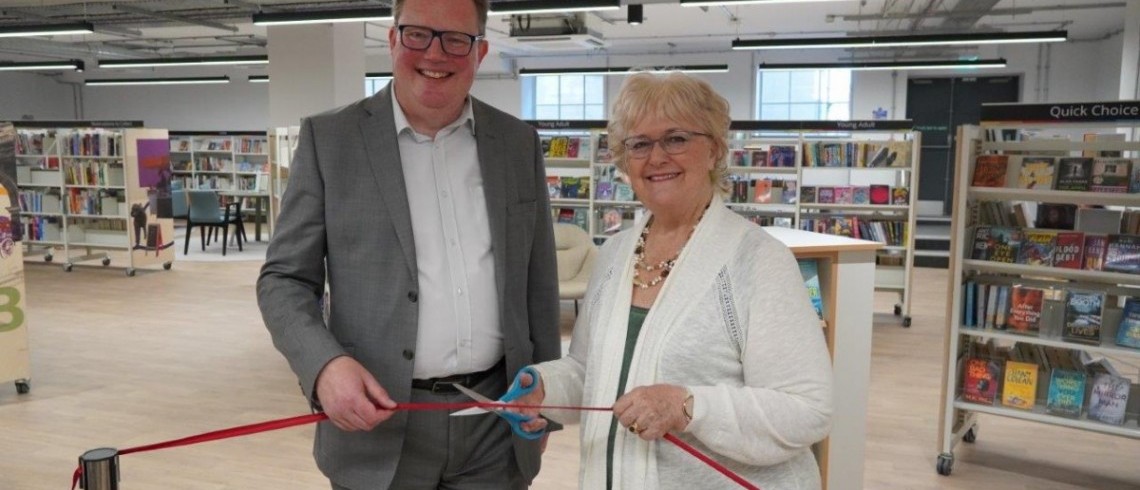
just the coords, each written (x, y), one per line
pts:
(673, 142)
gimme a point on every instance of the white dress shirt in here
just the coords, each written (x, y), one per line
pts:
(459, 328)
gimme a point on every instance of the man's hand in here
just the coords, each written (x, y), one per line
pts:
(351, 396)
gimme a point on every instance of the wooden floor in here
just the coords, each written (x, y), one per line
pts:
(123, 361)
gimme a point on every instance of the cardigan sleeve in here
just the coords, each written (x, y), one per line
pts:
(785, 404)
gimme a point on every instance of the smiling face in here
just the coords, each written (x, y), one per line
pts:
(671, 184)
(431, 85)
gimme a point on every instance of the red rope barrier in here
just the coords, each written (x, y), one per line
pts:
(245, 430)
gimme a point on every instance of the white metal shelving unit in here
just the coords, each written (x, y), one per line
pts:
(959, 418)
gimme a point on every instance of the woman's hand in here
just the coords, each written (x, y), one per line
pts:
(535, 397)
(652, 411)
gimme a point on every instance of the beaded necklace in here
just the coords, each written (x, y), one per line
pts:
(665, 266)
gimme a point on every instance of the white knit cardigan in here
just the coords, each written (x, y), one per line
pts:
(733, 324)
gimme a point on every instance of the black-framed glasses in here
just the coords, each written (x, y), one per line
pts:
(454, 43)
(673, 142)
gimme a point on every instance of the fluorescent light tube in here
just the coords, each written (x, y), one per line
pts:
(890, 65)
(200, 61)
(322, 17)
(76, 65)
(47, 29)
(551, 6)
(971, 38)
(729, 3)
(156, 81)
(623, 70)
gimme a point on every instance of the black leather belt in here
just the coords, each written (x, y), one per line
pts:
(446, 384)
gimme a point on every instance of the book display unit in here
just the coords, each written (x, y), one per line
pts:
(857, 179)
(1044, 319)
(223, 160)
(93, 187)
(282, 142)
(14, 354)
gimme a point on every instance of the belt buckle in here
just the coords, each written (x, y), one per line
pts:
(443, 387)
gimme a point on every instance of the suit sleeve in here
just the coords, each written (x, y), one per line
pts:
(292, 279)
(542, 292)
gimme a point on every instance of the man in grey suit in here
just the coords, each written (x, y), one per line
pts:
(426, 212)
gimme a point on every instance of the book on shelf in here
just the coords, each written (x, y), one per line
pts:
(880, 194)
(981, 380)
(1055, 216)
(990, 171)
(809, 270)
(781, 156)
(1083, 313)
(1122, 254)
(1036, 173)
(554, 186)
(1109, 398)
(1068, 251)
(1025, 304)
(809, 194)
(1128, 331)
(1066, 393)
(1037, 248)
(1019, 389)
(1074, 173)
(1102, 137)
(602, 153)
(756, 158)
(900, 196)
(1110, 175)
(1095, 246)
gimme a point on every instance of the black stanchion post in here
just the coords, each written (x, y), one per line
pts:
(100, 469)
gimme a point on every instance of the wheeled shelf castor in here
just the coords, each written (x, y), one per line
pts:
(130, 273)
(106, 261)
(898, 310)
(47, 258)
(167, 265)
(23, 386)
(945, 464)
(906, 321)
(970, 436)
(67, 267)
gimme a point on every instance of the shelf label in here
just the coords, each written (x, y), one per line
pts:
(1124, 110)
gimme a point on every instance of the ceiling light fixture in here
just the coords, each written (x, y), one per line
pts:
(375, 75)
(76, 65)
(156, 81)
(258, 79)
(897, 41)
(322, 16)
(622, 70)
(729, 3)
(635, 15)
(200, 61)
(551, 6)
(890, 65)
(47, 29)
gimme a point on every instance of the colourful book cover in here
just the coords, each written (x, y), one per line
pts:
(844, 194)
(623, 192)
(781, 156)
(809, 269)
(1110, 175)
(861, 195)
(880, 194)
(559, 147)
(605, 191)
(981, 249)
(1094, 252)
(1036, 173)
(1055, 216)
(1066, 393)
(1020, 387)
(807, 194)
(763, 191)
(1083, 313)
(758, 158)
(990, 171)
(602, 153)
(1122, 254)
(1108, 398)
(554, 187)
(1025, 304)
(1073, 174)
(1128, 332)
(1068, 252)
(900, 195)
(739, 158)
(980, 384)
(1005, 244)
(825, 195)
(1037, 248)
(789, 196)
(571, 187)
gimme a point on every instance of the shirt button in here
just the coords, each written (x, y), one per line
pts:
(413, 297)
(409, 355)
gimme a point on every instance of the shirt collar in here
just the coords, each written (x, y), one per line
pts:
(467, 117)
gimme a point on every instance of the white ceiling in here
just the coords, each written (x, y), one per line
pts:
(128, 32)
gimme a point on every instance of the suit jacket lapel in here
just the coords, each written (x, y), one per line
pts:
(378, 130)
(493, 169)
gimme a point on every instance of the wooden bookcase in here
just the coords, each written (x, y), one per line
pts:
(854, 144)
(14, 354)
(93, 188)
(968, 336)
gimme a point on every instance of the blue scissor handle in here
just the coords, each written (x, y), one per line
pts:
(514, 392)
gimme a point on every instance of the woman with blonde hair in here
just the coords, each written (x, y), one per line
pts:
(696, 321)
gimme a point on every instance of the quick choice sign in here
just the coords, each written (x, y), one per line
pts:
(1124, 110)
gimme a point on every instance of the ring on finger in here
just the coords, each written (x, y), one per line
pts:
(635, 429)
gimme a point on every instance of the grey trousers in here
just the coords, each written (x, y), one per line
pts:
(442, 452)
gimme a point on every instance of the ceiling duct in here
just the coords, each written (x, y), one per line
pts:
(553, 32)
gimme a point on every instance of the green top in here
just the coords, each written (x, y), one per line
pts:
(636, 319)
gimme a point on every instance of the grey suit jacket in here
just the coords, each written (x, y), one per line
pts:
(345, 219)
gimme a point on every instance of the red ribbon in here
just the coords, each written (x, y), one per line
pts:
(245, 430)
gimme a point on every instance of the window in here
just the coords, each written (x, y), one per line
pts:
(564, 97)
(804, 95)
(373, 85)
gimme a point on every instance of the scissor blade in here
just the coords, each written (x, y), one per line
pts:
(474, 396)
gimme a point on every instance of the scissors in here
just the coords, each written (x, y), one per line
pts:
(515, 419)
